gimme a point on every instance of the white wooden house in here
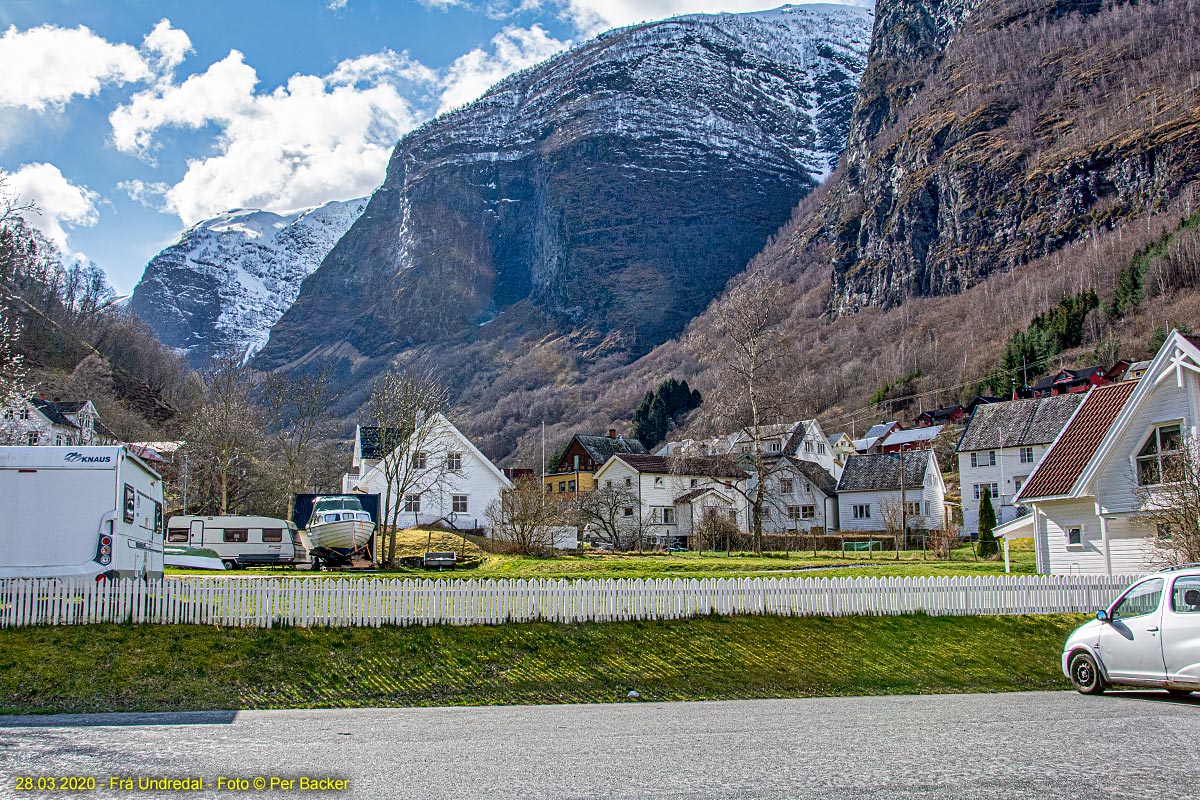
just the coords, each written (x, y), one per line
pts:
(1001, 446)
(455, 483)
(869, 491)
(1086, 496)
(801, 496)
(675, 494)
(842, 447)
(35, 421)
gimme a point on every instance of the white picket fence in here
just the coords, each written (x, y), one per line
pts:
(371, 602)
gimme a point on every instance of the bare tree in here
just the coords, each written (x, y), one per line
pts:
(224, 436)
(403, 408)
(12, 373)
(613, 515)
(525, 518)
(1171, 508)
(756, 374)
(296, 414)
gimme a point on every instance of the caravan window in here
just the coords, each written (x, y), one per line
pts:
(272, 534)
(236, 534)
(177, 535)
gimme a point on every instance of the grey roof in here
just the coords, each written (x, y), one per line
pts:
(880, 473)
(816, 475)
(601, 448)
(912, 435)
(700, 465)
(1019, 423)
(55, 411)
(878, 430)
(371, 440)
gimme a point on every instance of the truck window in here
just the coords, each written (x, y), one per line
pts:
(177, 535)
(272, 534)
(236, 534)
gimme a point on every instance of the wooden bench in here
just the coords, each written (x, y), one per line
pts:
(435, 560)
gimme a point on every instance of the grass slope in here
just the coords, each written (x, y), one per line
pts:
(167, 668)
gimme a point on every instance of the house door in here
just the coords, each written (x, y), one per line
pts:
(1130, 645)
(196, 537)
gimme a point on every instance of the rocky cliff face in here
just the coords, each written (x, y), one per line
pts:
(228, 279)
(988, 133)
(611, 192)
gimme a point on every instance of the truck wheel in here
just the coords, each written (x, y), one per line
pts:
(1085, 674)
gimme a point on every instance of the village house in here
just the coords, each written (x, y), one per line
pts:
(801, 496)
(869, 443)
(452, 482)
(673, 495)
(908, 440)
(575, 469)
(1087, 496)
(1000, 448)
(802, 440)
(871, 487)
(946, 415)
(36, 421)
(1069, 381)
(841, 446)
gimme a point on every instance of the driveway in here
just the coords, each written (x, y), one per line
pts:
(1010, 746)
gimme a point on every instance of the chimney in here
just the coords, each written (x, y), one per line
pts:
(612, 433)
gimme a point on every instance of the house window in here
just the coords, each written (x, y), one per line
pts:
(575, 462)
(627, 511)
(810, 512)
(454, 462)
(570, 486)
(608, 484)
(862, 511)
(419, 459)
(24, 413)
(786, 486)
(272, 534)
(1163, 531)
(766, 512)
(927, 508)
(629, 481)
(458, 503)
(668, 516)
(58, 440)
(1074, 537)
(808, 447)
(993, 490)
(562, 486)
(658, 482)
(1158, 461)
(821, 448)
(236, 535)
(914, 509)
(8, 413)
(412, 503)
(745, 448)
(987, 459)
(694, 483)
(774, 447)
(793, 513)
(31, 438)
(1026, 455)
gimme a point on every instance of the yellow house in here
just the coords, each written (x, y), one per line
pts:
(576, 468)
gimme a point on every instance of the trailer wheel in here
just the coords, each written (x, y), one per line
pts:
(229, 563)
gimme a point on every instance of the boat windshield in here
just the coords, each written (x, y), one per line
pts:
(337, 504)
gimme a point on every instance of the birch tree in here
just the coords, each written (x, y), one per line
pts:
(402, 409)
(756, 373)
(296, 414)
(12, 373)
(224, 435)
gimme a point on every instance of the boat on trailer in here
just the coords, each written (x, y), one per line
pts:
(340, 524)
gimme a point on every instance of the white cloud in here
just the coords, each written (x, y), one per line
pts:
(148, 194)
(513, 49)
(168, 46)
(61, 204)
(314, 139)
(46, 66)
(337, 5)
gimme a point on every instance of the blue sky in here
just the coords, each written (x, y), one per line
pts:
(127, 121)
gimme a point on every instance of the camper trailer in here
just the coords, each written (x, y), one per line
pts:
(79, 512)
(240, 541)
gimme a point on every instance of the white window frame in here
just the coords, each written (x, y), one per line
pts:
(808, 512)
(419, 460)
(1027, 455)
(787, 486)
(1153, 430)
(454, 462)
(1067, 531)
(412, 504)
(454, 502)
(860, 510)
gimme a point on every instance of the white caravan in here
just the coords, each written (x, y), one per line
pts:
(240, 541)
(71, 512)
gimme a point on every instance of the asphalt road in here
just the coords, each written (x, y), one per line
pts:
(1034, 745)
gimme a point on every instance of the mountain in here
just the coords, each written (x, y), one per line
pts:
(599, 200)
(228, 279)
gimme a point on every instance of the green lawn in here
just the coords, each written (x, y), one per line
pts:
(183, 667)
(480, 564)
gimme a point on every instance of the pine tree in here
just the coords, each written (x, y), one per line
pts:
(987, 524)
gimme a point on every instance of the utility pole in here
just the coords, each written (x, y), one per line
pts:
(903, 505)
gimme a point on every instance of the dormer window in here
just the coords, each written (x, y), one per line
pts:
(1158, 460)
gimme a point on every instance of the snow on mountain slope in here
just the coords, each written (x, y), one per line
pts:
(613, 189)
(228, 279)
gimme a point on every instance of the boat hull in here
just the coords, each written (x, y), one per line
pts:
(192, 558)
(343, 536)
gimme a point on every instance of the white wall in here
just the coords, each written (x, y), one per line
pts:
(1007, 474)
(804, 493)
(879, 500)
